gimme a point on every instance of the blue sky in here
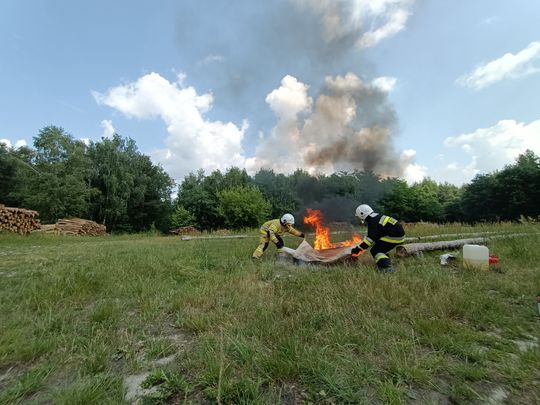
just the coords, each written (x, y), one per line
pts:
(405, 88)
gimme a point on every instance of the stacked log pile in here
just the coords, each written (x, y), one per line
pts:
(48, 229)
(18, 220)
(74, 226)
(78, 226)
(184, 230)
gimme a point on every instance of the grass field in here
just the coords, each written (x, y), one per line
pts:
(88, 320)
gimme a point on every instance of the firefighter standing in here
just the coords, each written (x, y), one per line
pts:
(384, 234)
(272, 231)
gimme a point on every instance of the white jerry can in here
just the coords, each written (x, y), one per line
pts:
(476, 256)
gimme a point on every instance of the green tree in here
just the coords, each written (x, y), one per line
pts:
(478, 202)
(129, 192)
(56, 183)
(278, 190)
(243, 206)
(235, 177)
(518, 193)
(400, 202)
(182, 217)
(425, 202)
(113, 181)
(450, 196)
(8, 175)
(149, 200)
(195, 196)
(506, 194)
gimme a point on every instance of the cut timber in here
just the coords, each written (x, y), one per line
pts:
(214, 237)
(74, 226)
(18, 220)
(183, 230)
(446, 235)
(78, 226)
(48, 228)
(415, 248)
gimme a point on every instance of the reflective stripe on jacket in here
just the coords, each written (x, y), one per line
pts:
(274, 227)
(383, 228)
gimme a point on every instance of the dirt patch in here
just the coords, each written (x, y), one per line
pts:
(135, 392)
(497, 396)
(164, 361)
(180, 338)
(427, 396)
(6, 375)
(526, 344)
(134, 389)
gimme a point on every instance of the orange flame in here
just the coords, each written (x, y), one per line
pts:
(322, 233)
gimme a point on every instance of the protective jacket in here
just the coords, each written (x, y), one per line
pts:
(382, 228)
(273, 229)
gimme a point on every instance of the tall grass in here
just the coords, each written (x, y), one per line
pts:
(78, 315)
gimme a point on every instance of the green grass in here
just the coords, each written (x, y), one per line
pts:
(78, 315)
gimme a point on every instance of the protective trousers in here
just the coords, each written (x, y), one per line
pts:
(380, 253)
(263, 244)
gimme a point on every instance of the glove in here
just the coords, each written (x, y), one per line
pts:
(279, 244)
(302, 235)
(356, 250)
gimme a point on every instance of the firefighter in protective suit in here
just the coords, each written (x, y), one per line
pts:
(272, 231)
(384, 234)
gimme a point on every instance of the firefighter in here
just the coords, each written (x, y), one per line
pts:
(384, 234)
(272, 231)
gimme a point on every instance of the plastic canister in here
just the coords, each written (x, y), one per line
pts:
(476, 256)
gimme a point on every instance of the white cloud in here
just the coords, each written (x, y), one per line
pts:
(212, 58)
(19, 143)
(490, 20)
(86, 141)
(385, 83)
(324, 135)
(193, 142)
(491, 148)
(108, 129)
(290, 99)
(6, 142)
(508, 66)
(370, 20)
(413, 172)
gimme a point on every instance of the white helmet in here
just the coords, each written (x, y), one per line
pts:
(363, 211)
(287, 219)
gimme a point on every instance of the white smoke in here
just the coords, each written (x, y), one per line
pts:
(368, 21)
(350, 127)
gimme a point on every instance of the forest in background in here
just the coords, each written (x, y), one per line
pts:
(113, 183)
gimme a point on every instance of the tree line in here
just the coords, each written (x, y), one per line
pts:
(109, 181)
(112, 183)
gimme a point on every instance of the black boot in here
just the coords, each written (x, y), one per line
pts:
(386, 269)
(385, 266)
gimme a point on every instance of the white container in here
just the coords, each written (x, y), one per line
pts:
(476, 256)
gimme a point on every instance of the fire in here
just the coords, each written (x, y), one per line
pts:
(322, 233)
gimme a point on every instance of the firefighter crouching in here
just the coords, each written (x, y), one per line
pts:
(272, 231)
(384, 234)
